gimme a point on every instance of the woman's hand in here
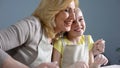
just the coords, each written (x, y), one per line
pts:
(48, 65)
(99, 47)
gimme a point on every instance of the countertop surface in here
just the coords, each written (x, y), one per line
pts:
(111, 66)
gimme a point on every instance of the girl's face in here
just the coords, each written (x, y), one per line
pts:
(78, 26)
(65, 18)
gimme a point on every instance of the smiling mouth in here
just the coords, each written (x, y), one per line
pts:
(78, 29)
(68, 24)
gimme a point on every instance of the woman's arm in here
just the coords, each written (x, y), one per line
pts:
(14, 36)
(9, 62)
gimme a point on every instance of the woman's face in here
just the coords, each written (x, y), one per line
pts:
(65, 18)
(78, 27)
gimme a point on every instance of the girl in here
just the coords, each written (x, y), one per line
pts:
(63, 47)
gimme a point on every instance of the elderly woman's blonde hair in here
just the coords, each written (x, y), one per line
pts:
(46, 12)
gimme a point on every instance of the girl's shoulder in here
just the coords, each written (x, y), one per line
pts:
(89, 41)
(88, 37)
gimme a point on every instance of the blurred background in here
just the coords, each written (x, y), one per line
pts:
(102, 19)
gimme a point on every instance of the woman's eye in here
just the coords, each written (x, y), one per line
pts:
(74, 21)
(67, 10)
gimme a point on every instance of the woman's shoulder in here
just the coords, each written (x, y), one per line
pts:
(29, 25)
(32, 20)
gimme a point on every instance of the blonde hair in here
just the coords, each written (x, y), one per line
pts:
(46, 11)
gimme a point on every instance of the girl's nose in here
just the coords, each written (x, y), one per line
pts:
(77, 23)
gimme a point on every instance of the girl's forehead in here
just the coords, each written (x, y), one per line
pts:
(78, 13)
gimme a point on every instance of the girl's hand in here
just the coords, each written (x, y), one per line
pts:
(48, 65)
(81, 64)
(99, 47)
(100, 60)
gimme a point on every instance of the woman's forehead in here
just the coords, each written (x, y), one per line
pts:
(72, 5)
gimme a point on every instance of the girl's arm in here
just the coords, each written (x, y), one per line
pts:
(96, 62)
(91, 60)
(56, 57)
(91, 57)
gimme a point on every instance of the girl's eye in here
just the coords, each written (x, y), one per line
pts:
(80, 20)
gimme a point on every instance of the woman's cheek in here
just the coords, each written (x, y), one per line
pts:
(66, 15)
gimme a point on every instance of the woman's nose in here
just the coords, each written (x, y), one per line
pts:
(72, 15)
